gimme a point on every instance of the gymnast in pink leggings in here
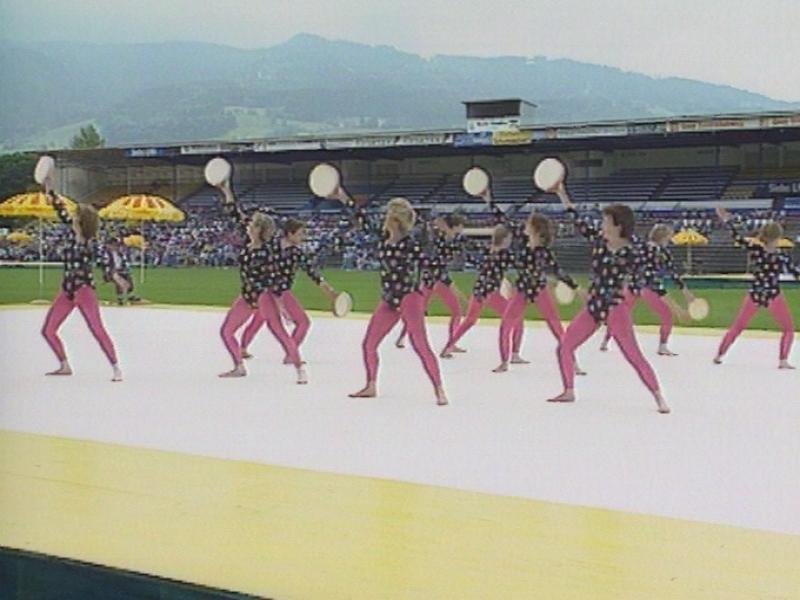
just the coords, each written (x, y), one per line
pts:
(533, 260)
(448, 242)
(656, 264)
(289, 257)
(255, 272)
(765, 291)
(486, 291)
(77, 287)
(614, 271)
(401, 259)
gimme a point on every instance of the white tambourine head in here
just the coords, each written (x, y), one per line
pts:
(45, 167)
(324, 180)
(342, 305)
(218, 171)
(548, 174)
(506, 289)
(698, 309)
(564, 293)
(476, 181)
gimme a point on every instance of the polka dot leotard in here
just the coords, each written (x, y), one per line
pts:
(256, 268)
(287, 261)
(767, 267)
(532, 264)
(493, 268)
(443, 253)
(611, 271)
(401, 262)
(79, 256)
(656, 264)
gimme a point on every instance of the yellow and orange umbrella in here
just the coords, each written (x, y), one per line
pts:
(19, 237)
(134, 241)
(689, 237)
(142, 207)
(33, 204)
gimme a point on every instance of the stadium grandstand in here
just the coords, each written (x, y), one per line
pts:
(671, 170)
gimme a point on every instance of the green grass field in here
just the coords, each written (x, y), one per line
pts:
(218, 287)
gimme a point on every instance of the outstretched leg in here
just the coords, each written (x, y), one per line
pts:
(746, 311)
(57, 314)
(380, 324)
(412, 310)
(780, 312)
(621, 326)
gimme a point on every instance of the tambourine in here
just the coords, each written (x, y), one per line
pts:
(476, 182)
(218, 171)
(549, 174)
(45, 167)
(698, 309)
(506, 289)
(342, 304)
(325, 181)
(563, 293)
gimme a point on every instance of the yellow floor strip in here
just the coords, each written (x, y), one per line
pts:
(289, 533)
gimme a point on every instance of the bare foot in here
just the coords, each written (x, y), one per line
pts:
(117, 376)
(302, 376)
(784, 364)
(501, 368)
(516, 359)
(566, 396)
(237, 371)
(246, 355)
(441, 397)
(63, 370)
(459, 349)
(368, 391)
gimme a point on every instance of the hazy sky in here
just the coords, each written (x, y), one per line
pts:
(751, 44)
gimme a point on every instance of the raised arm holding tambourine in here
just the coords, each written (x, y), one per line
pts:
(402, 260)
(614, 275)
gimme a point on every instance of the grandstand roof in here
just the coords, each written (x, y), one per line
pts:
(676, 131)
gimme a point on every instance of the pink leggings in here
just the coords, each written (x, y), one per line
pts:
(779, 311)
(620, 326)
(86, 301)
(412, 312)
(515, 314)
(450, 301)
(270, 313)
(236, 317)
(301, 322)
(498, 304)
(658, 306)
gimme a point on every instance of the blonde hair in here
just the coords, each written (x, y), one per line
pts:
(659, 232)
(399, 211)
(499, 234)
(264, 224)
(543, 227)
(770, 232)
(86, 216)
